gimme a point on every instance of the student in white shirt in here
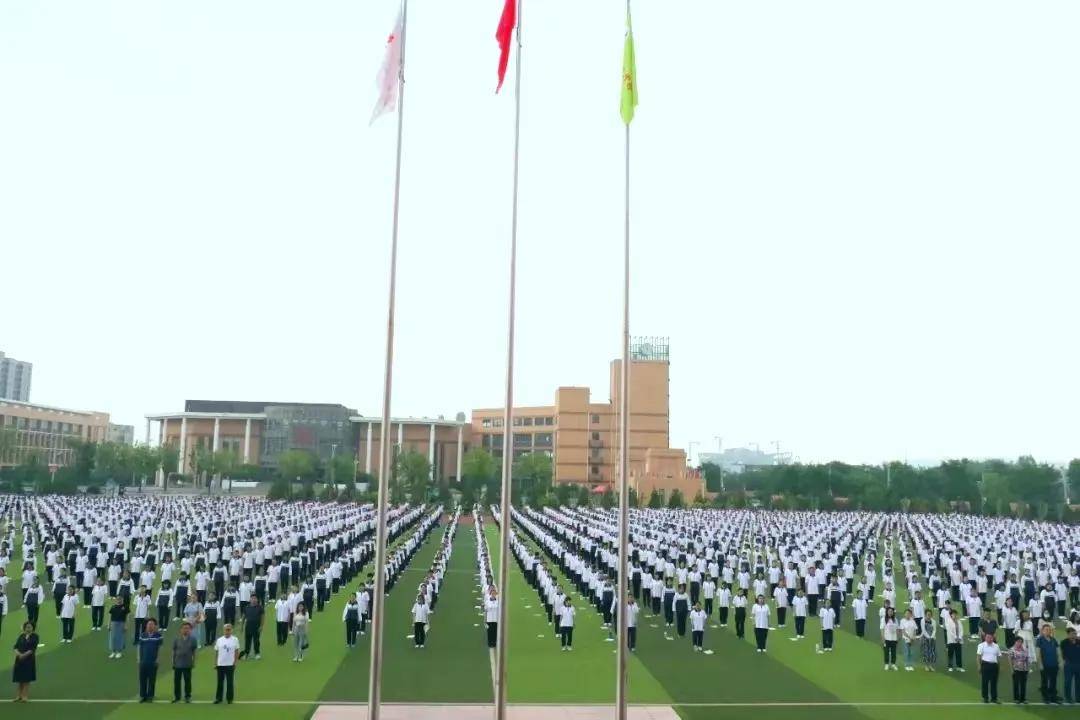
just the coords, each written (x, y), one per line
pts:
(828, 624)
(890, 632)
(67, 615)
(420, 613)
(491, 616)
(800, 605)
(282, 616)
(909, 632)
(632, 610)
(697, 627)
(761, 613)
(566, 625)
(858, 607)
(98, 595)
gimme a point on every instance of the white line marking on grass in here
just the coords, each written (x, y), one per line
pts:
(321, 701)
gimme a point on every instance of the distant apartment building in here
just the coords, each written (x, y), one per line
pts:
(48, 432)
(121, 434)
(15, 379)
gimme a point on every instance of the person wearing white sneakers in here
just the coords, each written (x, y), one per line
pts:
(300, 622)
(828, 624)
(566, 625)
(909, 632)
(67, 614)
(799, 606)
(420, 612)
(954, 641)
(117, 620)
(890, 631)
(761, 613)
(929, 643)
(698, 618)
(98, 594)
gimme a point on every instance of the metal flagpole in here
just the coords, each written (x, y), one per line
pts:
(379, 593)
(624, 451)
(508, 430)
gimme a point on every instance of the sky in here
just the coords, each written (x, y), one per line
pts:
(856, 221)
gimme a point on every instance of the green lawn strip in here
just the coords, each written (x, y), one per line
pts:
(733, 673)
(453, 667)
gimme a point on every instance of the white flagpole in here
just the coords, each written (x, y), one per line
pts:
(379, 593)
(508, 431)
(624, 449)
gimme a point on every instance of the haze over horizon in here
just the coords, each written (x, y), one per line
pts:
(854, 221)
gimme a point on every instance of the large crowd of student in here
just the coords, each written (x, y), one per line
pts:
(137, 564)
(964, 578)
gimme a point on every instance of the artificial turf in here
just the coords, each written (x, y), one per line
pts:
(455, 665)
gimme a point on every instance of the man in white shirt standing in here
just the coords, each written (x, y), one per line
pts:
(227, 649)
(989, 656)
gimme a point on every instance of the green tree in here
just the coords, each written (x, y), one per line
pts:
(226, 461)
(563, 493)
(414, 474)
(714, 476)
(168, 457)
(296, 465)
(532, 474)
(607, 500)
(341, 470)
(675, 500)
(634, 499)
(203, 465)
(583, 496)
(279, 489)
(8, 439)
(478, 469)
(656, 499)
(1072, 475)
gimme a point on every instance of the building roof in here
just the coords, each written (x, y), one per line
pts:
(49, 408)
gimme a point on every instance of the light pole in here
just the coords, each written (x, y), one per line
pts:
(690, 449)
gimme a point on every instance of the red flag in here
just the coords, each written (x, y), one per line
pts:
(503, 34)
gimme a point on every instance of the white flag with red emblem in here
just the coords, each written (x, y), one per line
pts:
(387, 79)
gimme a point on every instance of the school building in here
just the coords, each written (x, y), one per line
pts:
(580, 434)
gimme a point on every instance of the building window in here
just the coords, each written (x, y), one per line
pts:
(549, 421)
(527, 421)
(594, 469)
(497, 422)
(543, 440)
(486, 422)
(596, 436)
(517, 422)
(522, 440)
(595, 418)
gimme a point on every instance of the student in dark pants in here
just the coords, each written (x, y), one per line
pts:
(491, 616)
(149, 646)
(351, 616)
(1046, 647)
(989, 655)
(253, 618)
(183, 660)
(1018, 658)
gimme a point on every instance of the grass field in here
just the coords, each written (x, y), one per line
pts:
(790, 681)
